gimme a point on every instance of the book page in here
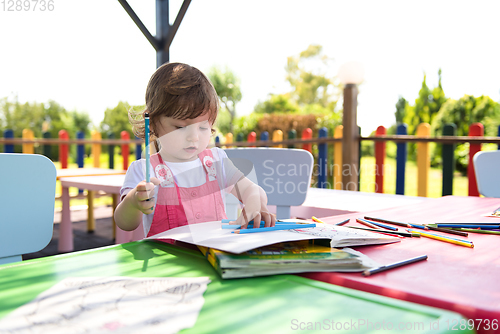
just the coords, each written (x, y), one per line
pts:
(211, 235)
(341, 236)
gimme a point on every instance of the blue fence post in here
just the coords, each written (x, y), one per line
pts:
(80, 150)
(322, 158)
(401, 155)
(264, 136)
(111, 152)
(47, 148)
(8, 148)
(499, 136)
(138, 149)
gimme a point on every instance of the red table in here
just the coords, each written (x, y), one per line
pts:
(456, 278)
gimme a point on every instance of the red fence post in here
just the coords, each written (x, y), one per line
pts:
(252, 137)
(125, 149)
(379, 160)
(476, 130)
(307, 134)
(63, 149)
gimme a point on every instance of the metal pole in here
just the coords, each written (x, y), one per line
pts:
(350, 139)
(162, 30)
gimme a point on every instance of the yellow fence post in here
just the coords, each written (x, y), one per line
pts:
(278, 136)
(28, 147)
(337, 158)
(96, 149)
(423, 160)
(229, 139)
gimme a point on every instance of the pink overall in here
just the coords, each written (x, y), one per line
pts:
(177, 206)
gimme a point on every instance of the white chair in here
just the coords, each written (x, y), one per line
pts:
(27, 193)
(284, 174)
(487, 169)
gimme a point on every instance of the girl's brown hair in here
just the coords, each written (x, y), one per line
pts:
(179, 91)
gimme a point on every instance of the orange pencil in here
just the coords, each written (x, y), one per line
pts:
(364, 222)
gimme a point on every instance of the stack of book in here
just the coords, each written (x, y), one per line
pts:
(285, 258)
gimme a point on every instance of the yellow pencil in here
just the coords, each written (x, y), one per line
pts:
(445, 239)
(317, 220)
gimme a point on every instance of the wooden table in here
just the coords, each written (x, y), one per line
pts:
(73, 172)
(456, 278)
(273, 304)
(107, 183)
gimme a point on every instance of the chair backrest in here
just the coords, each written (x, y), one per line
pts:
(27, 196)
(487, 169)
(284, 174)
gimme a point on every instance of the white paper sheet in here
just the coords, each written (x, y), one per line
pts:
(211, 235)
(111, 305)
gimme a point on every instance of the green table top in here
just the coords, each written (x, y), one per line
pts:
(273, 304)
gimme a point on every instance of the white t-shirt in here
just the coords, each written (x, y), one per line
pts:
(186, 174)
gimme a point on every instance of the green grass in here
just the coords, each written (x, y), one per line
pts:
(89, 163)
(367, 179)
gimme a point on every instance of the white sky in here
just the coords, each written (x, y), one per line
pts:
(88, 55)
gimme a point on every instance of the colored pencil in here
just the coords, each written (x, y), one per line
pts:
(463, 234)
(226, 226)
(483, 227)
(387, 221)
(146, 139)
(473, 230)
(422, 227)
(460, 242)
(388, 232)
(345, 221)
(446, 230)
(394, 265)
(274, 228)
(466, 223)
(387, 227)
(317, 220)
(367, 223)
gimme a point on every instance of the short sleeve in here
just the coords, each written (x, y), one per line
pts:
(231, 173)
(134, 175)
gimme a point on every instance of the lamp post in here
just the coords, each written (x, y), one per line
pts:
(350, 74)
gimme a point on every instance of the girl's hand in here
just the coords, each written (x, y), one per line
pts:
(257, 216)
(144, 200)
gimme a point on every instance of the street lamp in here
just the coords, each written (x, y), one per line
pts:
(350, 74)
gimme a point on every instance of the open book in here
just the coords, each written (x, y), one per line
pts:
(211, 235)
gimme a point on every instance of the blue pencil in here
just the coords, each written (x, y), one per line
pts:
(483, 227)
(275, 228)
(262, 224)
(146, 139)
(387, 227)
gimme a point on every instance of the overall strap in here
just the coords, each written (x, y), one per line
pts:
(207, 160)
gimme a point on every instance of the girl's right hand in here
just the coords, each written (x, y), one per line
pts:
(145, 202)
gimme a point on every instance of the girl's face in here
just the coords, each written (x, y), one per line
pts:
(183, 140)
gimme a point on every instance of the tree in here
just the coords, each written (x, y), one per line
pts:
(400, 109)
(276, 103)
(307, 74)
(426, 106)
(17, 116)
(116, 120)
(464, 112)
(227, 86)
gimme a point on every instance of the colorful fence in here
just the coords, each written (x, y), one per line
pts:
(448, 140)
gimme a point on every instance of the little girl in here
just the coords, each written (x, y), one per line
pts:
(182, 106)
